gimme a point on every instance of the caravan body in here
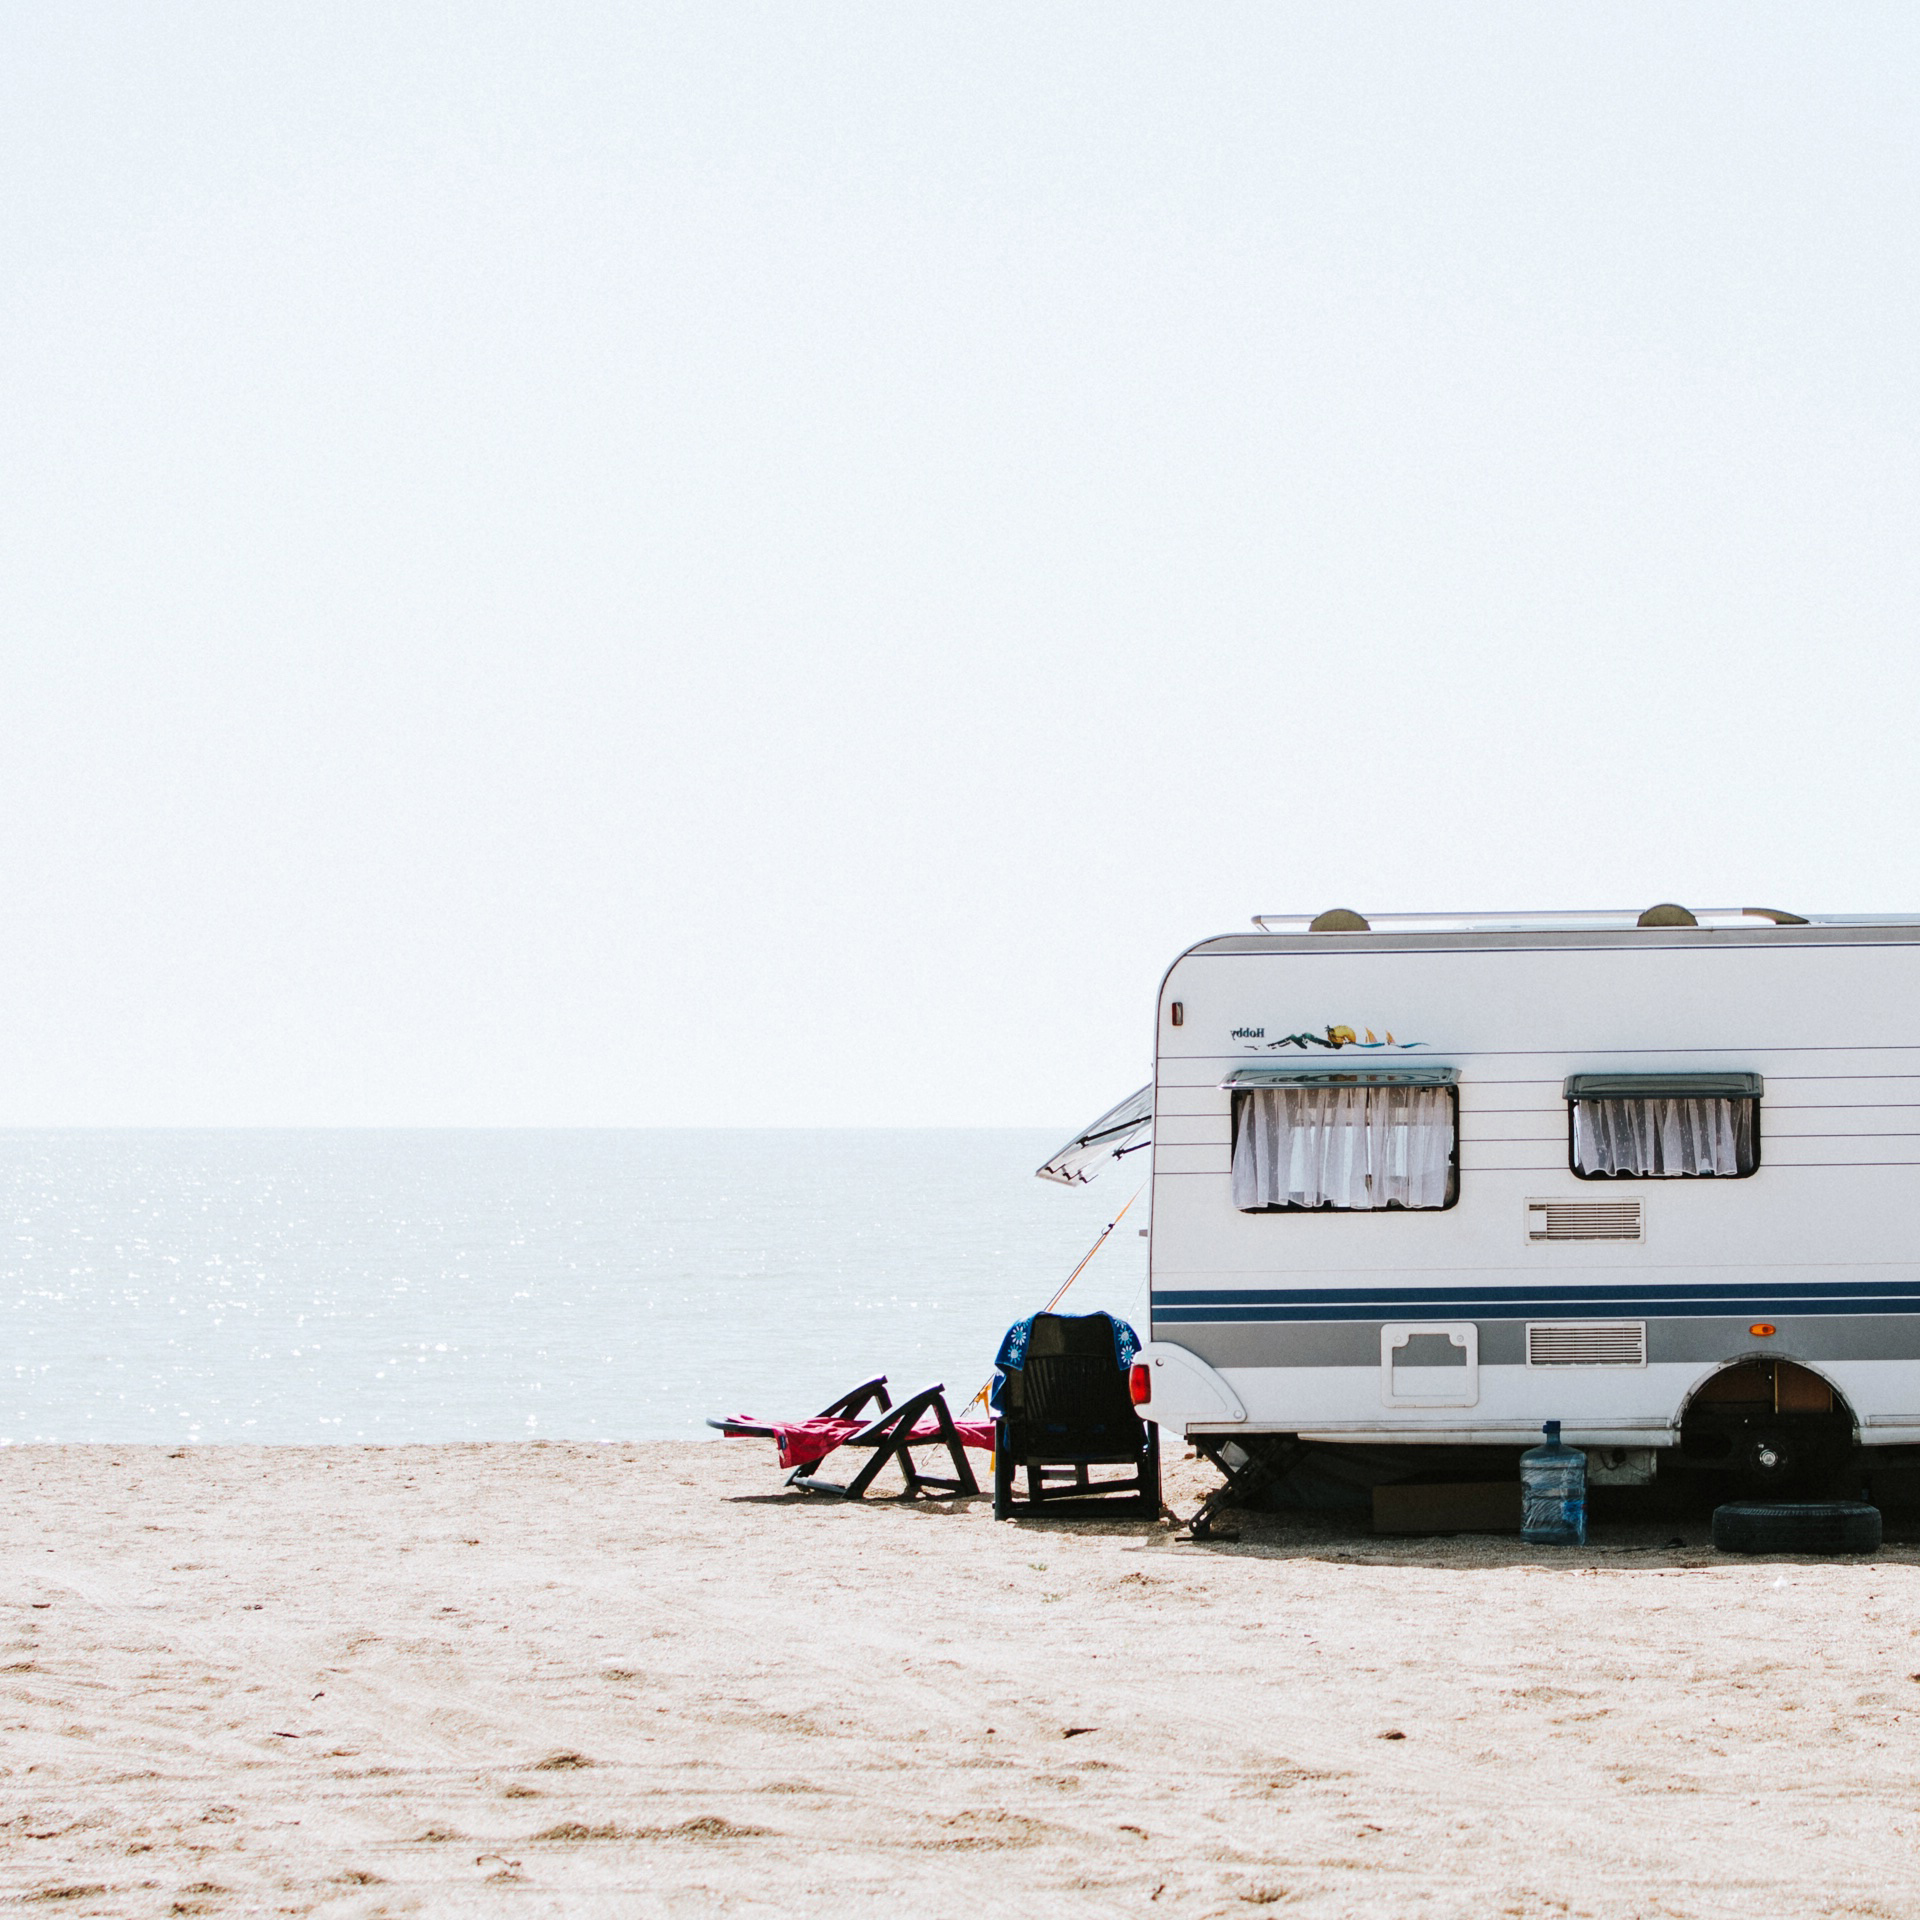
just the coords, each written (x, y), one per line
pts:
(1505, 1282)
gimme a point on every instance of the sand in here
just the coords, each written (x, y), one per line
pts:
(583, 1680)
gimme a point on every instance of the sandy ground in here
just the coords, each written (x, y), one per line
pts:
(585, 1680)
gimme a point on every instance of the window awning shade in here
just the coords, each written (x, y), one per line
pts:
(1246, 1079)
(1119, 1131)
(1664, 1086)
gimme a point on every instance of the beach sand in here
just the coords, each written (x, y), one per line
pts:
(634, 1680)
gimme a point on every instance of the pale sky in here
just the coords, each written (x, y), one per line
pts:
(772, 564)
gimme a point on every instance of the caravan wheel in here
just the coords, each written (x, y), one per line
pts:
(1812, 1526)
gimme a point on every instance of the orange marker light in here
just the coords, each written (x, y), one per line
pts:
(1763, 1329)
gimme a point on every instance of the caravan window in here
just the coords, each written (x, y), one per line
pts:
(1348, 1148)
(1664, 1126)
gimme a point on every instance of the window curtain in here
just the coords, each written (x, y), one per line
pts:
(1352, 1147)
(1663, 1138)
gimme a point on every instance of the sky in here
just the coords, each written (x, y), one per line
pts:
(731, 564)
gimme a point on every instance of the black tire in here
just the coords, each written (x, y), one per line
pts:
(1808, 1526)
(1003, 1468)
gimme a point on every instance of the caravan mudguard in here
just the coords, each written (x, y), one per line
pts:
(1183, 1391)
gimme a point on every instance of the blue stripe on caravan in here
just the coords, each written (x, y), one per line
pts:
(1521, 1303)
(1554, 1309)
(1588, 1289)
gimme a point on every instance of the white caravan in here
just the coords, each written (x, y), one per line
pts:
(1435, 1180)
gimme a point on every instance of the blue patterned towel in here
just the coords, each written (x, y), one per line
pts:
(1013, 1349)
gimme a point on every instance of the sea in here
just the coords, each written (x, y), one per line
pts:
(371, 1286)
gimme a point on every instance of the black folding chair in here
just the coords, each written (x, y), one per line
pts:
(891, 1437)
(1064, 1411)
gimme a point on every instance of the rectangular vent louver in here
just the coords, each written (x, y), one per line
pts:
(1587, 1343)
(1584, 1220)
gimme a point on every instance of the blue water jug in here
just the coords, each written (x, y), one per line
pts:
(1553, 1493)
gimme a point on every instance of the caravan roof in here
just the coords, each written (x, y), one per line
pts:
(1571, 920)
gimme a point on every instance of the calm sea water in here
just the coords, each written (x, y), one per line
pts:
(414, 1285)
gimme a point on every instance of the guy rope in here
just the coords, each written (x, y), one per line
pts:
(1067, 1282)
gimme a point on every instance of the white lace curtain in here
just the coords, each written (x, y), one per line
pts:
(1355, 1147)
(1656, 1138)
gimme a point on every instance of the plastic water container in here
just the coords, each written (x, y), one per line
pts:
(1553, 1493)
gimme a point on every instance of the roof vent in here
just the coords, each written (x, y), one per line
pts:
(1666, 914)
(1338, 920)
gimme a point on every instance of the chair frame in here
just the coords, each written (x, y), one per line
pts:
(890, 1436)
(1078, 1495)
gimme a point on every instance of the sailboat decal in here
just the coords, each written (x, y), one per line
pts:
(1333, 1039)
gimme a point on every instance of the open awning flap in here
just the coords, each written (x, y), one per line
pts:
(1664, 1086)
(1121, 1130)
(1246, 1079)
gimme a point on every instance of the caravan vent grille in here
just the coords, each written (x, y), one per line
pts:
(1588, 1343)
(1584, 1220)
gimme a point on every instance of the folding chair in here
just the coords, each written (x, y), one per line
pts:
(922, 1419)
(1063, 1406)
(893, 1436)
(792, 1436)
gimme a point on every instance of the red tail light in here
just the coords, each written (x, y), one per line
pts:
(1140, 1383)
